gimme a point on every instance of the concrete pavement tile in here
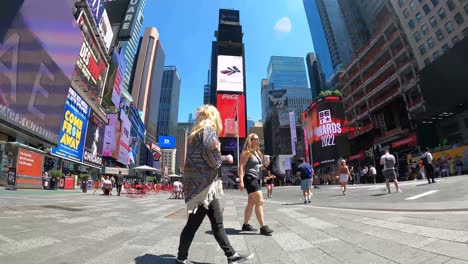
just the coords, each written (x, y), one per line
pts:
(316, 223)
(291, 213)
(449, 248)
(348, 253)
(289, 241)
(312, 256)
(456, 261)
(203, 251)
(439, 259)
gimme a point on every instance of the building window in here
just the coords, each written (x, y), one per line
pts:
(417, 37)
(445, 47)
(430, 42)
(459, 18)
(426, 9)
(427, 61)
(439, 34)
(449, 27)
(418, 16)
(405, 13)
(441, 13)
(450, 5)
(412, 5)
(400, 3)
(411, 23)
(455, 40)
(436, 54)
(425, 30)
(433, 21)
(422, 49)
(435, 2)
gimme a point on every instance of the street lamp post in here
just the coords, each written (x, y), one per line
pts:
(237, 134)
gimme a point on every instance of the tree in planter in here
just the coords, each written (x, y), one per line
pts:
(55, 175)
(84, 181)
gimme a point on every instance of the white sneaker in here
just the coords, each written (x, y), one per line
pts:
(399, 190)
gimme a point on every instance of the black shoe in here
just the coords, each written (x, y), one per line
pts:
(309, 201)
(305, 202)
(237, 258)
(183, 261)
(248, 227)
(433, 181)
(266, 231)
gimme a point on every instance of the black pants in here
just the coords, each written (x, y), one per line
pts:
(194, 221)
(429, 173)
(119, 189)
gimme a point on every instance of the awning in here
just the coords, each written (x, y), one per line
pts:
(410, 141)
(77, 162)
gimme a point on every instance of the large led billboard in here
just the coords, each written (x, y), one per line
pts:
(230, 75)
(38, 50)
(232, 110)
(325, 130)
(166, 142)
(95, 134)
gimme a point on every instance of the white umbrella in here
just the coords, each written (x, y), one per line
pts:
(145, 168)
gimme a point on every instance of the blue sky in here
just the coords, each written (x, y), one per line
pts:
(186, 28)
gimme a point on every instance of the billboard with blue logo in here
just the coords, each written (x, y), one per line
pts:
(73, 130)
(166, 142)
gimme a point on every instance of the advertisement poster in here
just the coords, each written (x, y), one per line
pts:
(106, 30)
(326, 132)
(124, 138)
(230, 74)
(35, 68)
(112, 137)
(116, 92)
(29, 163)
(232, 114)
(292, 126)
(283, 117)
(278, 99)
(91, 66)
(94, 137)
(97, 9)
(74, 124)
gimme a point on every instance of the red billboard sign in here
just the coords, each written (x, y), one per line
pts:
(232, 110)
(29, 163)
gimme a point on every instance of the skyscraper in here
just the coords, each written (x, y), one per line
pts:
(327, 25)
(284, 72)
(130, 47)
(355, 20)
(146, 89)
(169, 102)
(315, 74)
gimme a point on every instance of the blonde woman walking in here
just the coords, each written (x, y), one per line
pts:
(344, 176)
(251, 164)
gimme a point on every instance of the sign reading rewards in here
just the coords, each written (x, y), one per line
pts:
(73, 129)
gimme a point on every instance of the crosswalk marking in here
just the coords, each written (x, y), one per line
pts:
(421, 195)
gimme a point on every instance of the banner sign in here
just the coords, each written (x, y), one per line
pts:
(118, 82)
(74, 124)
(29, 163)
(91, 67)
(166, 142)
(106, 30)
(292, 125)
(112, 137)
(278, 99)
(124, 138)
(36, 68)
(129, 19)
(97, 9)
(232, 114)
(230, 76)
(94, 136)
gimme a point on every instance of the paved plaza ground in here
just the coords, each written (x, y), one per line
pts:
(365, 226)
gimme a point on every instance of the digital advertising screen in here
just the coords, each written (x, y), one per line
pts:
(231, 107)
(230, 75)
(94, 136)
(74, 124)
(112, 137)
(35, 68)
(166, 142)
(124, 138)
(325, 130)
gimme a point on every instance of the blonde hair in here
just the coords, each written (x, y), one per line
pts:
(248, 146)
(207, 115)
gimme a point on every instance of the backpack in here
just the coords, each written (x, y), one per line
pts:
(388, 162)
(306, 173)
(425, 161)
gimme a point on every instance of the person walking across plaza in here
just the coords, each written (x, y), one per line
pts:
(373, 174)
(388, 161)
(306, 173)
(270, 183)
(344, 176)
(203, 186)
(427, 162)
(251, 164)
(118, 183)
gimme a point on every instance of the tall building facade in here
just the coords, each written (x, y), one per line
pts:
(183, 131)
(284, 72)
(315, 75)
(335, 32)
(264, 96)
(146, 89)
(130, 48)
(169, 103)
(432, 27)
(168, 160)
(356, 19)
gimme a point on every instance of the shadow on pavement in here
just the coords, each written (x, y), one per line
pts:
(335, 195)
(379, 194)
(150, 258)
(232, 231)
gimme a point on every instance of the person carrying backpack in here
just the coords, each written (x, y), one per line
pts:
(306, 177)
(427, 162)
(388, 161)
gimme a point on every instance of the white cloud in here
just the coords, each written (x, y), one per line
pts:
(283, 25)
